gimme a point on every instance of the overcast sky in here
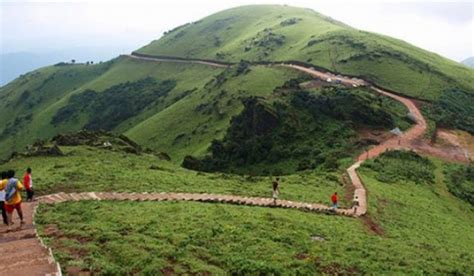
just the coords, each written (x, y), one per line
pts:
(442, 27)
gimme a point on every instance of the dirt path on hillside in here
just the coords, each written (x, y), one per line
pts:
(208, 63)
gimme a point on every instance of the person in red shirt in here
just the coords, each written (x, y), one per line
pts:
(28, 182)
(334, 200)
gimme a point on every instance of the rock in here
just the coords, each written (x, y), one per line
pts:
(55, 151)
(317, 238)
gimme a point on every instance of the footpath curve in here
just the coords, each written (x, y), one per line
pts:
(26, 253)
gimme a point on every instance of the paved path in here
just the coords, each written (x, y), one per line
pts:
(29, 256)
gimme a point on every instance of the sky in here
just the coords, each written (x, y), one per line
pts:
(444, 27)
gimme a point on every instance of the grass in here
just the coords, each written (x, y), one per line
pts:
(424, 230)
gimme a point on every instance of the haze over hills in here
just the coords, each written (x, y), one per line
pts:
(13, 64)
(469, 61)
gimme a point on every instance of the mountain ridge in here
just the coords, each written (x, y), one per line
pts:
(31, 102)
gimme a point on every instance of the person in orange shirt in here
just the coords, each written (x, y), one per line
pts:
(12, 188)
(334, 200)
(28, 183)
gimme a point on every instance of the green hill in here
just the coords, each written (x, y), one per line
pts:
(282, 33)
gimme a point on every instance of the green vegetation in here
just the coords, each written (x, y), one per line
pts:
(452, 110)
(416, 229)
(107, 110)
(282, 33)
(460, 181)
(297, 130)
(402, 166)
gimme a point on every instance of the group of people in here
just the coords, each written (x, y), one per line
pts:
(10, 194)
(334, 197)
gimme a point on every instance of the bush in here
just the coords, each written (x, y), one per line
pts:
(454, 110)
(460, 181)
(402, 166)
(114, 105)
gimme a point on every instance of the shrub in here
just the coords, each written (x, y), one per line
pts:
(402, 166)
(460, 181)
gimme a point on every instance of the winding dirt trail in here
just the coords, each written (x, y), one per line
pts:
(27, 255)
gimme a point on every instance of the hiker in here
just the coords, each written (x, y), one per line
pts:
(334, 200)
(355, 203)
(28, 182)
(276, 189)
(12, 188)
(2, 200)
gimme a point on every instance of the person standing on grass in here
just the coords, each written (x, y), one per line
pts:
(334, 200)
(28, 182)
(276, 189)
(2, 200)
(12, 188)
(355, 203)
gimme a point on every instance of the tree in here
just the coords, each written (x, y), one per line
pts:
(73, 61)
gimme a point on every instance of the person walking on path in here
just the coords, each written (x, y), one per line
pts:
(12, 188)
(276, 189)
(28, 182)
(334, 200)
(355, 203)
(2, 200)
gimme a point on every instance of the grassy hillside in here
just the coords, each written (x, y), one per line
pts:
(414, 226)
(154, 103)
(61, 97)
(280, 33)
(85, 168)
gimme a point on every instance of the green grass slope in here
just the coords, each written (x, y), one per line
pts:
(281, 33)
(190, 125)
(421, 228)
(85, 168)
(154, 103)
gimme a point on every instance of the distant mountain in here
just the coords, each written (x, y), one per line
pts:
(12, 65)
(468, 61)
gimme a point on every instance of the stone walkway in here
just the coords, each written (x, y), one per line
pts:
(211, 198)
